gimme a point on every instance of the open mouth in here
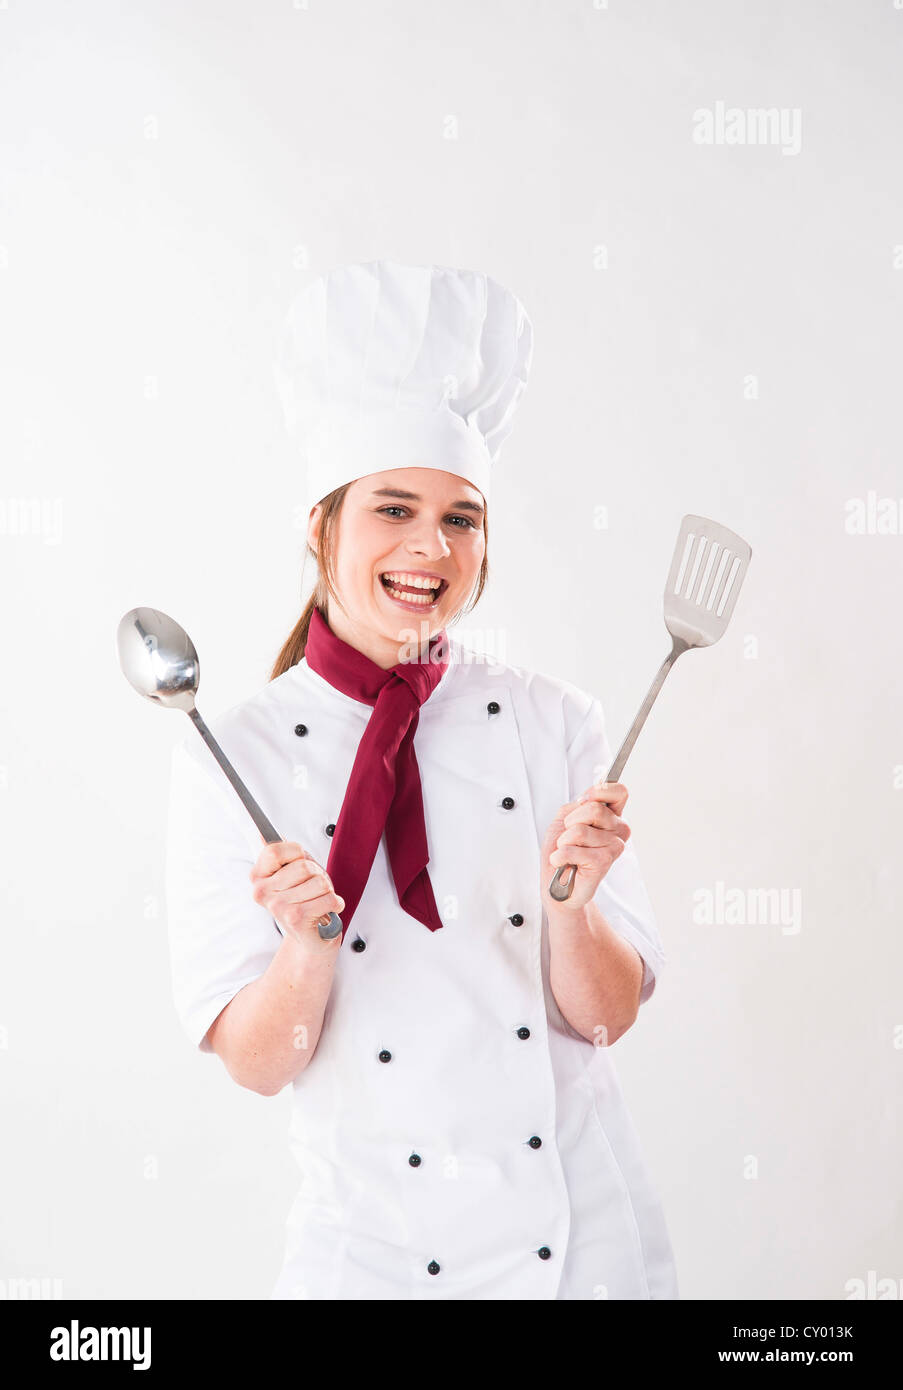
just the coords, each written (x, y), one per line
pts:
(413, 596)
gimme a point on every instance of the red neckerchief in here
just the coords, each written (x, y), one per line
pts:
(383, 791)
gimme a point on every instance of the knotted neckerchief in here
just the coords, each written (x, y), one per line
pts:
(383, 791)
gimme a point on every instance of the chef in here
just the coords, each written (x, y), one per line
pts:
(455, 1113)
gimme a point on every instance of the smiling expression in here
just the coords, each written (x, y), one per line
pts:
(409, 550)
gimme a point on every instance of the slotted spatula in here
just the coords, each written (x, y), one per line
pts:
(706, 572)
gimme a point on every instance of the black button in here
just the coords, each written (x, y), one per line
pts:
(358, 945)
(330, 830)
(300, 730)
(385, 1055)
(544, 1252)
(433, 1267)
(508, 802)
(517, 919)
(493, 707)
(415, 1160)
(535, 1142)
(523, 1032)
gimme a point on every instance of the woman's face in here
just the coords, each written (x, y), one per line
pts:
(415, 524)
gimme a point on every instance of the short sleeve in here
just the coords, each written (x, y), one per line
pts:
(219, 938)
(621, 896)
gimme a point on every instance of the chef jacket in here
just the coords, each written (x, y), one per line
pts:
(456, 1137)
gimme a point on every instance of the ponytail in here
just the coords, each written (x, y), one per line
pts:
(296, 643)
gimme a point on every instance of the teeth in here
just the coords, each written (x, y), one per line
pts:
(425, 600)
(416, 579)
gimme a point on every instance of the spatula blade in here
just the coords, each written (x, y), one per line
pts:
(709, 565)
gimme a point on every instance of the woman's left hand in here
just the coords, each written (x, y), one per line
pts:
(590, 833)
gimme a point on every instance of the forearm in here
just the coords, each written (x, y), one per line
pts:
(596, 976)
(267, 1034)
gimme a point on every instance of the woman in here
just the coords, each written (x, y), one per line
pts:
(456, 1113)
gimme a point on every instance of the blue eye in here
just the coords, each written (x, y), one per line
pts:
(395, 507)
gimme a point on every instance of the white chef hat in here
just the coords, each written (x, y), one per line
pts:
(383, 365)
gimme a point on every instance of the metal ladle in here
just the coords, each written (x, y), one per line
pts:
(159, 660)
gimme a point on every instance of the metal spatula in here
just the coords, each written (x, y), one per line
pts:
(706, 572)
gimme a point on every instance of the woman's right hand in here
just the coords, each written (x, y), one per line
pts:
(295, 891)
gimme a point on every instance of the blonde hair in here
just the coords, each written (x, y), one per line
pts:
(294, 647)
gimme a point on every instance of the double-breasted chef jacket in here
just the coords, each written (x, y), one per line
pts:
(457, 1138)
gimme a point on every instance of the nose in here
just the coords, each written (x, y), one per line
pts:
(429, 543)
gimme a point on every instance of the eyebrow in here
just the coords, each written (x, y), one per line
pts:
(463, 505)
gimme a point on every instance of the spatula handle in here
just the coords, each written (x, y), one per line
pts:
(559, 889)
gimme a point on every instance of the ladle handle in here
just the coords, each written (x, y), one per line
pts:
(329, 926)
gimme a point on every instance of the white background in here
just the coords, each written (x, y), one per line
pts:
(170, 176)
